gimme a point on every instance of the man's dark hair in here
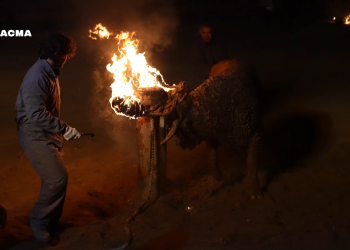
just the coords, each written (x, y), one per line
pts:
(57, 43)
(206, 24)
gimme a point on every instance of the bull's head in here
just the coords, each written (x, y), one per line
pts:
(175, 112)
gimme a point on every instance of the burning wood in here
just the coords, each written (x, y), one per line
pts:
(150, 100)
(131, 74)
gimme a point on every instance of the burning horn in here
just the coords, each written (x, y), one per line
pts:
(171, 132)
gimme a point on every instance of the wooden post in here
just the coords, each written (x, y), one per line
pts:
(143, 126)
(162, 156)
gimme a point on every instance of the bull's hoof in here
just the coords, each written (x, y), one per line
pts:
(3, 217)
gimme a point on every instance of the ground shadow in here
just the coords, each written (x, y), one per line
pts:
(16, 230)
(174, 240)
(291, 136)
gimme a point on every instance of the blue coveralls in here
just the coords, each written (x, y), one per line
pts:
(40, 135)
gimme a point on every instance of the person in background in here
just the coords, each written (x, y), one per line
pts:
(41, 131)
(205, 52)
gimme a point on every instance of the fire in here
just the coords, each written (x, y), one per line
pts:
(347, 20)
(130, 72)
(99, 31)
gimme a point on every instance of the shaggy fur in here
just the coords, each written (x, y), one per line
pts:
(224, 110)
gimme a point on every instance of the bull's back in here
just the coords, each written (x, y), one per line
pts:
(225, 107)
(219, 68)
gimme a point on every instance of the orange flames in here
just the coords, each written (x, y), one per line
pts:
(99, 31)
(129, 68)
(347, 20)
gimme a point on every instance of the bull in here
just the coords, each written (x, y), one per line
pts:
(224, 110)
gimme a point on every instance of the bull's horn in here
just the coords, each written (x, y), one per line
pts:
(171, 132)
(160, 113)
(164, 113)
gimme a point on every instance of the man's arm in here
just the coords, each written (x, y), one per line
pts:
(34, 96)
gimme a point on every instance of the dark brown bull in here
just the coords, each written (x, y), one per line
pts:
(224, 110)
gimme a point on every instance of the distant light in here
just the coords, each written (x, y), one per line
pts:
(347, 20)
(334, 18)
(189, 208)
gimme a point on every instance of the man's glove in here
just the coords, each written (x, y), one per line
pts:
(71, 133)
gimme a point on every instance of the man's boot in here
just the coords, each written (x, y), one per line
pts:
(41, 233)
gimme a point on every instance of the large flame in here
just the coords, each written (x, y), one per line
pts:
(130, 70)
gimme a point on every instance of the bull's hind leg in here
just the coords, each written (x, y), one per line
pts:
(212, 147)
(252, 163)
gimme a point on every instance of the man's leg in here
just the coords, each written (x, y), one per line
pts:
(48, 163)
(52, 171)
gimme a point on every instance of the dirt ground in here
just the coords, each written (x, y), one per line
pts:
(305, 170)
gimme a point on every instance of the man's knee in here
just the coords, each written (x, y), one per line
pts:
(55, 186)
(60, 180)
(57, 179)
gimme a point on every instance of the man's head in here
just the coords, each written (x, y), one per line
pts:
(205, 32)
(57, 49)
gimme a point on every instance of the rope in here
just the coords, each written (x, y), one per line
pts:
(127, 229)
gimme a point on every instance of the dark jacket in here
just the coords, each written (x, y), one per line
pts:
(203, 56)
(38, 103)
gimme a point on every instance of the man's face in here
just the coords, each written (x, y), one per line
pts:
(205, 33)
(59, 60)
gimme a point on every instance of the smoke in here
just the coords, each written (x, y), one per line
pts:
(120, 129)
(154, 22)
(338, 8)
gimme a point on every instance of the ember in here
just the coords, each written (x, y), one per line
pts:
(133, 110)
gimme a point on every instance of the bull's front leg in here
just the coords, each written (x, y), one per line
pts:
(212, 147)
(252, 163)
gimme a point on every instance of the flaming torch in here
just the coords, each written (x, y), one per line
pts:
(138, 89)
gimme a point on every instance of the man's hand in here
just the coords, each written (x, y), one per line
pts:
(71, 133)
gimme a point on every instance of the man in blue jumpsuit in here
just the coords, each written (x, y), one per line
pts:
(41, 132)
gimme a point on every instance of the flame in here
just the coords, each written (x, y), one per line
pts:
(99, 31)
(130, 71)
(347, 20)
(334, 18)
